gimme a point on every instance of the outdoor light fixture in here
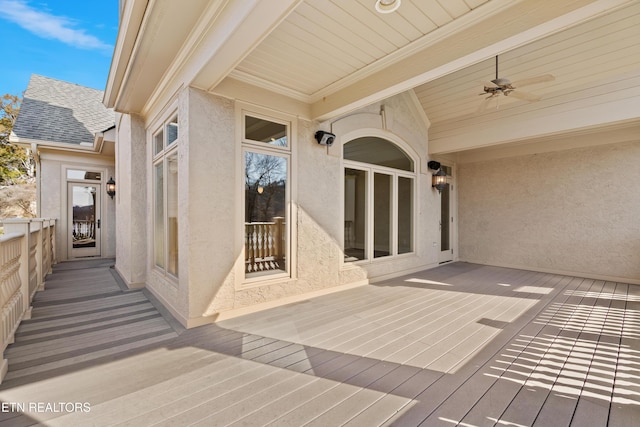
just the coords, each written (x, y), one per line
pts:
(387, 6)
(439, 180)
(111, 187)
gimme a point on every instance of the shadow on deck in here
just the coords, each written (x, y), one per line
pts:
(458, 344)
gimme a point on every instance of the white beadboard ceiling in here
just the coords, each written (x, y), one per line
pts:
(321, 59)
(586, 57)
(324, 41)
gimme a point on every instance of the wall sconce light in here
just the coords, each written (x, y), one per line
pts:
(111, 187)
(439, 180)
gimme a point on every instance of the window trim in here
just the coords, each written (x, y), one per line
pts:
(162, 158)
(371, 169)
(244, 109)
(253, 142)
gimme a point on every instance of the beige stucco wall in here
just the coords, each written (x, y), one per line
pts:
(211, 242)
(131, 200)
(573, 211)
(208, 201)
(52, 197)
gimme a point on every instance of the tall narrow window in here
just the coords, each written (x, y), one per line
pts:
(158, 208)
(165, 197)
(266, 197)
(171, 165)
(379, 200)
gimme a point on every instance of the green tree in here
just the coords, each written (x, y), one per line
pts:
(14, 160)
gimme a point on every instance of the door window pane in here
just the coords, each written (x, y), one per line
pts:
(405, 215)
(382, 205)
(172, 213)
(355, 214)
(84, 217)
(445, 229)
(265, 214)
(158, 208)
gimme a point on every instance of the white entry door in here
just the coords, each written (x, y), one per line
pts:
(84, 220)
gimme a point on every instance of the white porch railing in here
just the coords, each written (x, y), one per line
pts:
(27, 253)
(264, 244)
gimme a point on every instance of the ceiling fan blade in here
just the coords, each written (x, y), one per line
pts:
(483, 105)
(524, 95)
(533, 80)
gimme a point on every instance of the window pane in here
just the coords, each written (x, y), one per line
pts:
(445, 214)
(172, 213)
(377, 151)
(158, 234)
(84, 216)
(82, 174)
(172, 131)
(381, 215)
(405, 215)
(265, 131)
(355, 214)
(265, 214)
(158, 142)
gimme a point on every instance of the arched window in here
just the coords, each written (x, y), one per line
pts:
(379, 193)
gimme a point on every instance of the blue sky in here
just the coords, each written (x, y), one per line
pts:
(70, 40)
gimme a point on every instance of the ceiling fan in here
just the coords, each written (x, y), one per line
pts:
(503, 86)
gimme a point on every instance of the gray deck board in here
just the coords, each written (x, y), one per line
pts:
(461, 344)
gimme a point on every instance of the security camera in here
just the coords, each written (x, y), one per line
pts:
(434, 165)
(325, 138)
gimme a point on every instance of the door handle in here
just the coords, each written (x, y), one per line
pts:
(98, 223)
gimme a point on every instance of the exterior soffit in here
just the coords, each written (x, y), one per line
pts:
(159, 37)
(196, 46)
(202, 48)
(519, 24)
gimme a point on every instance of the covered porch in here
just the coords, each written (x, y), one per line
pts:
(461, 344)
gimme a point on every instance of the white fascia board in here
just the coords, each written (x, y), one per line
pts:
(128, 29)
(28, 142)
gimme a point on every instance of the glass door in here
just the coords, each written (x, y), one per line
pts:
(84, 220)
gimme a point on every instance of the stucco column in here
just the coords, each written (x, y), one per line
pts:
(131, 200)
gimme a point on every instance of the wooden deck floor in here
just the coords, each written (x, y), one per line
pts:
(461, 344)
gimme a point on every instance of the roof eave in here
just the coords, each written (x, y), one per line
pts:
(129, 28)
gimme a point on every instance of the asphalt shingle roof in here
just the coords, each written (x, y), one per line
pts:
(61, 112)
